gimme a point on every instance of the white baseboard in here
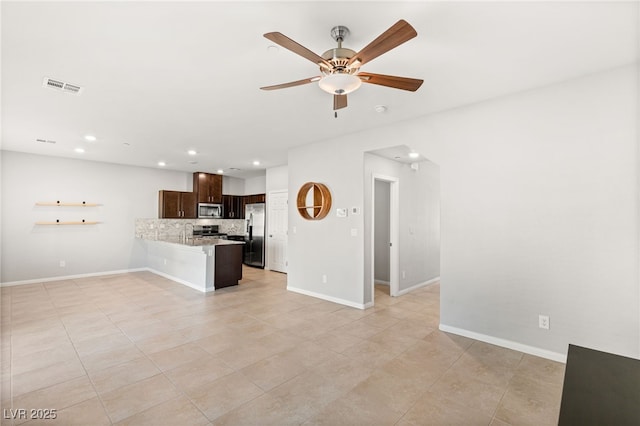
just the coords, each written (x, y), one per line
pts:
(520, 347)
(71, 277)
(178, 280)
(328, 298)
(381, 282)
(417, 286)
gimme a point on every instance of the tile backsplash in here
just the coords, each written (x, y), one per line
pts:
(153, 229)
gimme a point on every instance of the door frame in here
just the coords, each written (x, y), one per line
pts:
(267, 230)
(394, 222)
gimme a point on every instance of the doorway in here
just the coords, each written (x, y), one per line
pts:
(384, 232)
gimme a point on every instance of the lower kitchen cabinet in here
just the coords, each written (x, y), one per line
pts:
(228, 265)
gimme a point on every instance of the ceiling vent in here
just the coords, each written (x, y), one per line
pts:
(61, 86)
(45, 141)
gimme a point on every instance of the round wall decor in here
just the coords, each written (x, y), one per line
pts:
(314, 201)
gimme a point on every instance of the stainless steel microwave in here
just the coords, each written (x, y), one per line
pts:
(209, 211)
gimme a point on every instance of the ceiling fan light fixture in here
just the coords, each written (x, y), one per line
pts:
(340, 83)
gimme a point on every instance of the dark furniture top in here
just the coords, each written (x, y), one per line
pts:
(600, 389)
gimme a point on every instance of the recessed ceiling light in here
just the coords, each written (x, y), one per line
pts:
(161, 163)
(380, 108)
(272, 48)
(90, 138)
(79, 150)
(414, 155)
(233, 168)
(256, 163)
(192, 152)
(127, 144)
(220, 171)
(193, 162)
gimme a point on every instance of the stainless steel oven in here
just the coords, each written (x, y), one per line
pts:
(209, 211)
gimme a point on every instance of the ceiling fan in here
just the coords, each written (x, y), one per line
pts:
(340, 67)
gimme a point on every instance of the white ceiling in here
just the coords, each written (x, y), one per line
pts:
(166, 77)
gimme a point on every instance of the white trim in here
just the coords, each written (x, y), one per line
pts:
(329, 298)
(520, 347)
(381, 282)
(417, 286)
(368, 305)
(180, 281)
(71, 277)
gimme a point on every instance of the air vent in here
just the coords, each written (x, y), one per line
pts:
(61, 86)
(45, 141)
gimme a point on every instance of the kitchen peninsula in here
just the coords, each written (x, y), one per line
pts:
(204, 264)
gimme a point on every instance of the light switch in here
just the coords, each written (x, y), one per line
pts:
(354, 232)
(341, 212)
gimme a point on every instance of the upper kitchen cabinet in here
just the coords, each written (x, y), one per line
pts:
(208, 187)
(233, 206)
(177, 205)
(256, 198)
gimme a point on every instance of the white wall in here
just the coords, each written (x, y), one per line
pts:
(255, 185)
(277, 179)
(539, 214)
(232, 185)
(326, 247)
(31, 252)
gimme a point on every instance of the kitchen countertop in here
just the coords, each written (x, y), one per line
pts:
(198, 242)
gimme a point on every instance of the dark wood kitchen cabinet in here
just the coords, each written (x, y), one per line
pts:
(256, 198)
(177, 205)
(233, 206)
(208, 187)
(228, 265)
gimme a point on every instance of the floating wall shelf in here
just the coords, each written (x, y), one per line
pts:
(84, 222)
(62, 204)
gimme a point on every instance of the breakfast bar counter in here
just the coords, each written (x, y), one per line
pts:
(205, 264)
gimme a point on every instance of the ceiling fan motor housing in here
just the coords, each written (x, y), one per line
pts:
(338, 58)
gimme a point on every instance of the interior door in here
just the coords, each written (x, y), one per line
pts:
(277, 230)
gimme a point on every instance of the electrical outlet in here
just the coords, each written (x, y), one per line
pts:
(404, 274)
(63, 264)
(165, 261)
(324, 279)
(543, 321)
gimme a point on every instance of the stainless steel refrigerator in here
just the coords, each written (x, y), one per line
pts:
(254, 235)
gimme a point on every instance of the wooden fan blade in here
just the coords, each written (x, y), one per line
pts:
(297, 48)
(339, 101)
(400, 32)
(404, 83)
(291, 83)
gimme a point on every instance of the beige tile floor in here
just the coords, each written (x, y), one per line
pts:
(136, 349)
